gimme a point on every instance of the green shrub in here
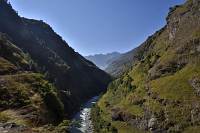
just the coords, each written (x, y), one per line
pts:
(54, 105)
(100, 125)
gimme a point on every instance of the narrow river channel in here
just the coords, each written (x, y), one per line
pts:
(84, 116)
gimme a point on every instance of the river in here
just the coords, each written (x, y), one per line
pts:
(84, 116)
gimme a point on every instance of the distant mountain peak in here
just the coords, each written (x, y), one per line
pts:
(103, 60)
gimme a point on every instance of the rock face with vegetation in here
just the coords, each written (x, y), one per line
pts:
(75, 78)
(159, 91)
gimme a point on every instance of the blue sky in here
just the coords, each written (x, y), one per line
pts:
(99, 26)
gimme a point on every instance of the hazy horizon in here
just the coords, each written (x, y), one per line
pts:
(99, 27)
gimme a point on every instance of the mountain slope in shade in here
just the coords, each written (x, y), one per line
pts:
(27, 99)
(160, 91)
(103, 60)
(75, 78)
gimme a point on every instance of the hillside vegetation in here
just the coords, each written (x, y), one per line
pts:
(27, 100)
(159, 91)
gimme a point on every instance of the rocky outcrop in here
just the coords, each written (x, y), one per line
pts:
(13, 128)
(195, 83)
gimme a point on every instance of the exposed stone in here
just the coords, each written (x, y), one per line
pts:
(198, 48)
(13, 128)
(152, 123)
(195, 114)
(195, 83)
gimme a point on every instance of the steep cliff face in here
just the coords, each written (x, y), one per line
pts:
(160, 91)
(76, 78)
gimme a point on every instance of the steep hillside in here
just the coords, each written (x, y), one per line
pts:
(103, 60)
(76, 78)
(27, 100)
(160, 91)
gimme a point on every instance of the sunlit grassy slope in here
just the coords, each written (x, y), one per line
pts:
(160, 92)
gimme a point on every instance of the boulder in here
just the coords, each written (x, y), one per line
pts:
(195, 83)
(152, 123)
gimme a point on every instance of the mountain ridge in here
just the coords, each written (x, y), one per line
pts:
(103, 60)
